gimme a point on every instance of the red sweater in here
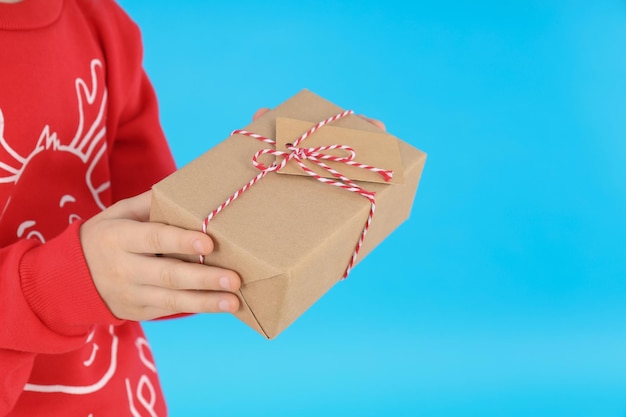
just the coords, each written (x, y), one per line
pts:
(79, 130)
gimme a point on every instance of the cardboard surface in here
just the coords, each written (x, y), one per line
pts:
(290, 237)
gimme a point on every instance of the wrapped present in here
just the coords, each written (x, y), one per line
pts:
(293, 201)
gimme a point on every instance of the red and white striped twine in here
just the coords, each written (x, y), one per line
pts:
(316, 155)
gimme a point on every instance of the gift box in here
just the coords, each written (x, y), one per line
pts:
(293, 215)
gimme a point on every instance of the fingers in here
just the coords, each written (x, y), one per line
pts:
(135, 208)
(170, 286)
(135, 233)
(260, 113)
(375, 122)
(159, 302)
(152, 287)
(188, 301)
(178, 275)
(151, 238)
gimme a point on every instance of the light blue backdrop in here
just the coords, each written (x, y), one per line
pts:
(505, 293)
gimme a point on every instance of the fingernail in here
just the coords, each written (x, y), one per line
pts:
(225, 283)
(197, 245)
(224, 306)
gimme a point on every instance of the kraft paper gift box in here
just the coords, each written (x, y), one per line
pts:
(289, 236)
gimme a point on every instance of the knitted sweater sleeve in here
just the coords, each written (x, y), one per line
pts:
(48, 303)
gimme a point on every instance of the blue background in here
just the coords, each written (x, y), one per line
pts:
(505, 292)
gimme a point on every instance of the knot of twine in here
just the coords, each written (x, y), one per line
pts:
(316, 155)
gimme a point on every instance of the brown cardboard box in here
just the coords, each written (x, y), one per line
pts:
(290, 237)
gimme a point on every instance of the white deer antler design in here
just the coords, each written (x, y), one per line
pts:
(88, 143)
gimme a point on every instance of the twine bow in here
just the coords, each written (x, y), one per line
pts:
(316, 155)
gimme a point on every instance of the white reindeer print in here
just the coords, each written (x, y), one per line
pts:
(62, 159)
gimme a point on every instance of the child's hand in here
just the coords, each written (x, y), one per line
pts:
(120, 246)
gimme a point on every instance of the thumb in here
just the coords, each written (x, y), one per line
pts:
(134, 208)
